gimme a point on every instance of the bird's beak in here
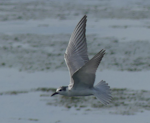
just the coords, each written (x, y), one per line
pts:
(54, 94)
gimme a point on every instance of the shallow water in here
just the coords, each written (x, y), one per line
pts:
(25, 97)
(12, 79)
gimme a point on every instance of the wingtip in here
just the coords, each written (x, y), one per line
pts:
(84, 17)
(101, 52)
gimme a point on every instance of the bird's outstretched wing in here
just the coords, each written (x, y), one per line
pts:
(85, 76)
(76, 52)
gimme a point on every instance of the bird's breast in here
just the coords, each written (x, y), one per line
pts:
(83, 92)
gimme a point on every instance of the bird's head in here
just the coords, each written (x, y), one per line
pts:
(61, 90)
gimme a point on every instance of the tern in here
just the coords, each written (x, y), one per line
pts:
(82, 70)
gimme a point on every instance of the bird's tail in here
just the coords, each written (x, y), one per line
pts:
(102, 92)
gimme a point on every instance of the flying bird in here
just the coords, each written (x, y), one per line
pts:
(82, 70)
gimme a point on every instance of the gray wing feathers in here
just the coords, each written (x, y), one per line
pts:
(76, 52)
(86, 75)
(93, 64)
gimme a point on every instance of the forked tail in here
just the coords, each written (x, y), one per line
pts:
(102, 92)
